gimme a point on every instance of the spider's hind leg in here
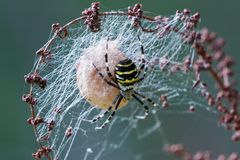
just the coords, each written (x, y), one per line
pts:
(143, 60)
(106, 63)
(104, 78)
(143, 69)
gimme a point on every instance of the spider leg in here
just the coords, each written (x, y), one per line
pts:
(108, 110)
(145, 107)
(143, 60)
(106, 63)
(143, 76)
(147, 99)
(112, 114)
(102, 76)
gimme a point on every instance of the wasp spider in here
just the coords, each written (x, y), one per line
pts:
(126, 77)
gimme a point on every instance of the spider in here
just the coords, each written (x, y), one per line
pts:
(126, 77)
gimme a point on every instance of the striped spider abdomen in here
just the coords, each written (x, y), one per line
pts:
(126, 74)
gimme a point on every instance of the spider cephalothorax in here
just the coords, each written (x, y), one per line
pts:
(126, 77)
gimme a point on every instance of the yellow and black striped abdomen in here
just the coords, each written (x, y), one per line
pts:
(126, 74)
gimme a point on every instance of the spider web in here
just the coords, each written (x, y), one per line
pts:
(125, 132)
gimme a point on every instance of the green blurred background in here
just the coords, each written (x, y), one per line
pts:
(25, 27)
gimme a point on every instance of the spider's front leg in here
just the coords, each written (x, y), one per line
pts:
(142, 103)
(115, 102)
(107, 111)
(147, 99)
(112, 114)
(145, 108)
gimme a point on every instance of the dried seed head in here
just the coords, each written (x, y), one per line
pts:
(93, 20)
(191, 108)
(28, 98)
(186, 11)
(176, 149)
(236, 136)
(51, 125)
(69, 132)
